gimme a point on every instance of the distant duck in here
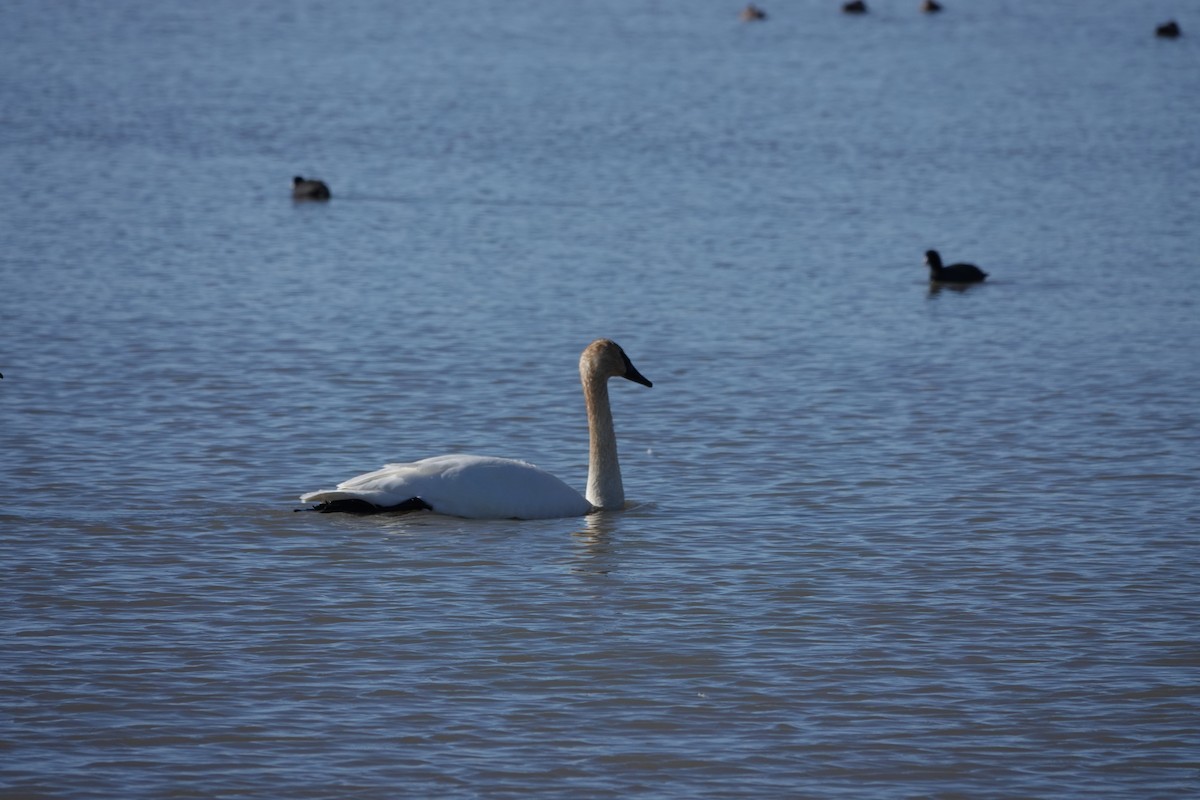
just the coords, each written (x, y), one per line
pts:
(752, 12)
(854, 7)
(931, 6)
(309, 189)
(1168, 30)
(955, 273)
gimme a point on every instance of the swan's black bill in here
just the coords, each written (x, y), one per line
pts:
(631, 372)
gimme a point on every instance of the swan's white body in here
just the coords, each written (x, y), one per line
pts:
(476, 487)
(482, 487)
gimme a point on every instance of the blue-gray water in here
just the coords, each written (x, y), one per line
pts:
(884, 542)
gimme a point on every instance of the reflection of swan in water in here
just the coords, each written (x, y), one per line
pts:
(594, 549)
(593, 545)
(481, 487)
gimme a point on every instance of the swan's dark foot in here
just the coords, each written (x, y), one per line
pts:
(356, 506)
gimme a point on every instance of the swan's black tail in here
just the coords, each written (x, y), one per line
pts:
(353, 505)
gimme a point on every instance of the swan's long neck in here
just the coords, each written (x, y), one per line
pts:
(604, 489)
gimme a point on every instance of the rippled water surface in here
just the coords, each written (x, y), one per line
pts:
(882, 541)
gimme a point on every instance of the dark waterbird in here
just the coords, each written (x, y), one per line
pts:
(309, 189)
(854, 7)
(752, 13)
(955, 273)
(1168, 30)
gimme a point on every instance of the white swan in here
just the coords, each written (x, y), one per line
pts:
(482, 487)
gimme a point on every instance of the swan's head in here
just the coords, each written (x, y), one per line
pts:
(605, 359)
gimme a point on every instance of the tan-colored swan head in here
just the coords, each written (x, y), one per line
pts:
(605, 359)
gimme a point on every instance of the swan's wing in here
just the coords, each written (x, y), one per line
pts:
(389, 485)
(476, 487)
